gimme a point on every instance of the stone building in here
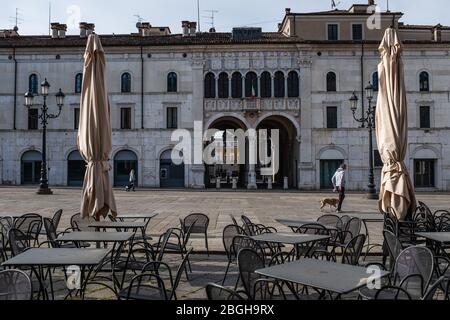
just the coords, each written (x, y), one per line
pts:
(297, 80)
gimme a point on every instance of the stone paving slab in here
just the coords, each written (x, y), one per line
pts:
(262, 207)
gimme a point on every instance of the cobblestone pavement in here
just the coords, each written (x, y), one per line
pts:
(262, 207)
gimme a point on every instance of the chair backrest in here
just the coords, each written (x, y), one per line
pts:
(15, 285)
(246, 220)
(199, 222)
(57, 218)
(6, 223)
(162, 243)
(50, 230)
(268, 289)
(281, 258)
(439, 284)
(442, 220)
(354, 227)
(228, 234)
(331, 220)
(180, 270)
(245, 242)
(423, 219)
(248, 262)
(353, 249)
(413, 270)
(30, 224)
(393, 244)
(18, 241)
(215, 292)
(80, 224)
(234, 220)
(392, 293)
(147, 286)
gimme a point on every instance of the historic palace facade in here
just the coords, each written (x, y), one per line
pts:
(298, 80)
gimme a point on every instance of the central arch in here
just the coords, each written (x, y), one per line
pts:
(288, 150)
(223, 169)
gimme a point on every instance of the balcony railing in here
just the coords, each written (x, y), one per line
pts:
(252, 105)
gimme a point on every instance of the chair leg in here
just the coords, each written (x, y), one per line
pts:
(226, 272)
(206, 243)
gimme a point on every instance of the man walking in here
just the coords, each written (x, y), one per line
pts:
(339, 180)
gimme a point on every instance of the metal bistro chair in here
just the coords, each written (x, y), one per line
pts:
(52, 236)
(15, 285)
(30, 224)
(412, 272)
(199, 223)
(248, 262)
(267, 289)
(145, 286)
(214, 292)
(319, 248)
(18, 242)
(229, 232)
(55, 221)
(352, 252)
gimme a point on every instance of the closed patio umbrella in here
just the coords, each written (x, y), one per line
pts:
(396, 189)
(94, 134)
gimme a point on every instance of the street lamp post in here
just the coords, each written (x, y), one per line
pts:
(44, 117)
(369, 119)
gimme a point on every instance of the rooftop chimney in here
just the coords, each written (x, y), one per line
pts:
(437, 33)
(86, 29)
(54, 26)
(185, 27)
(288, 10)
(144, 29)
(62, 30)
(192, 28)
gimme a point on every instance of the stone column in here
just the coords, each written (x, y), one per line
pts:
(272, 87)
(252, 157)
(307, 176)
(216, 79)
(286, 86)
(229, 87)
(243, 86)
(197, 171)
(258, 86)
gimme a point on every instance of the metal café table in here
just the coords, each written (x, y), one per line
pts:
(120, 225)
(136, 216)
(40, 258)
(98, 237)
(330, 277)
(294, 239)
(438, 240)
(293, 223)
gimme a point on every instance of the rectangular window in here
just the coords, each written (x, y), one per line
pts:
(424, 173)
(357, 32)
(333, 32)
(33, 119)
(332, 122)
(425, 117)
(172, 118)
(125, 118)
(377, 162)
(76, 118)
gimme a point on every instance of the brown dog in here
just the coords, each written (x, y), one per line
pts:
(330, 202)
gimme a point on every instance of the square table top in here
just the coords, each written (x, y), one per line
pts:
(367, 217)
(289, 238)
(118, 224)
(442, 237)
(137, 216)
(325, 275)
(301, 223)
(96, 236)
(58, 257)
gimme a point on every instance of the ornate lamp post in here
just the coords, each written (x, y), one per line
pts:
(369, 119)
(44, 117)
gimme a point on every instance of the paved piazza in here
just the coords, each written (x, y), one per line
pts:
(263, 207)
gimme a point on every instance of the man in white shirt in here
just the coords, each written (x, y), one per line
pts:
(339, 180)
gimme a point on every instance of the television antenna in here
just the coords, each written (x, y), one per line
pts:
(139, 19)
(16, 20)
(334, 4)
(211, 17)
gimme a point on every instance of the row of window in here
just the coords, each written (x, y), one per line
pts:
(240, 86)
(424, 81)
(250, 84)
(333, 32)
(424, 117)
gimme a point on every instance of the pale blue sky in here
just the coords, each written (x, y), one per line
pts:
(117, 16)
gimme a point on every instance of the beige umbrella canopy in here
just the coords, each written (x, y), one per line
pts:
(396, 191)
(94, 134)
